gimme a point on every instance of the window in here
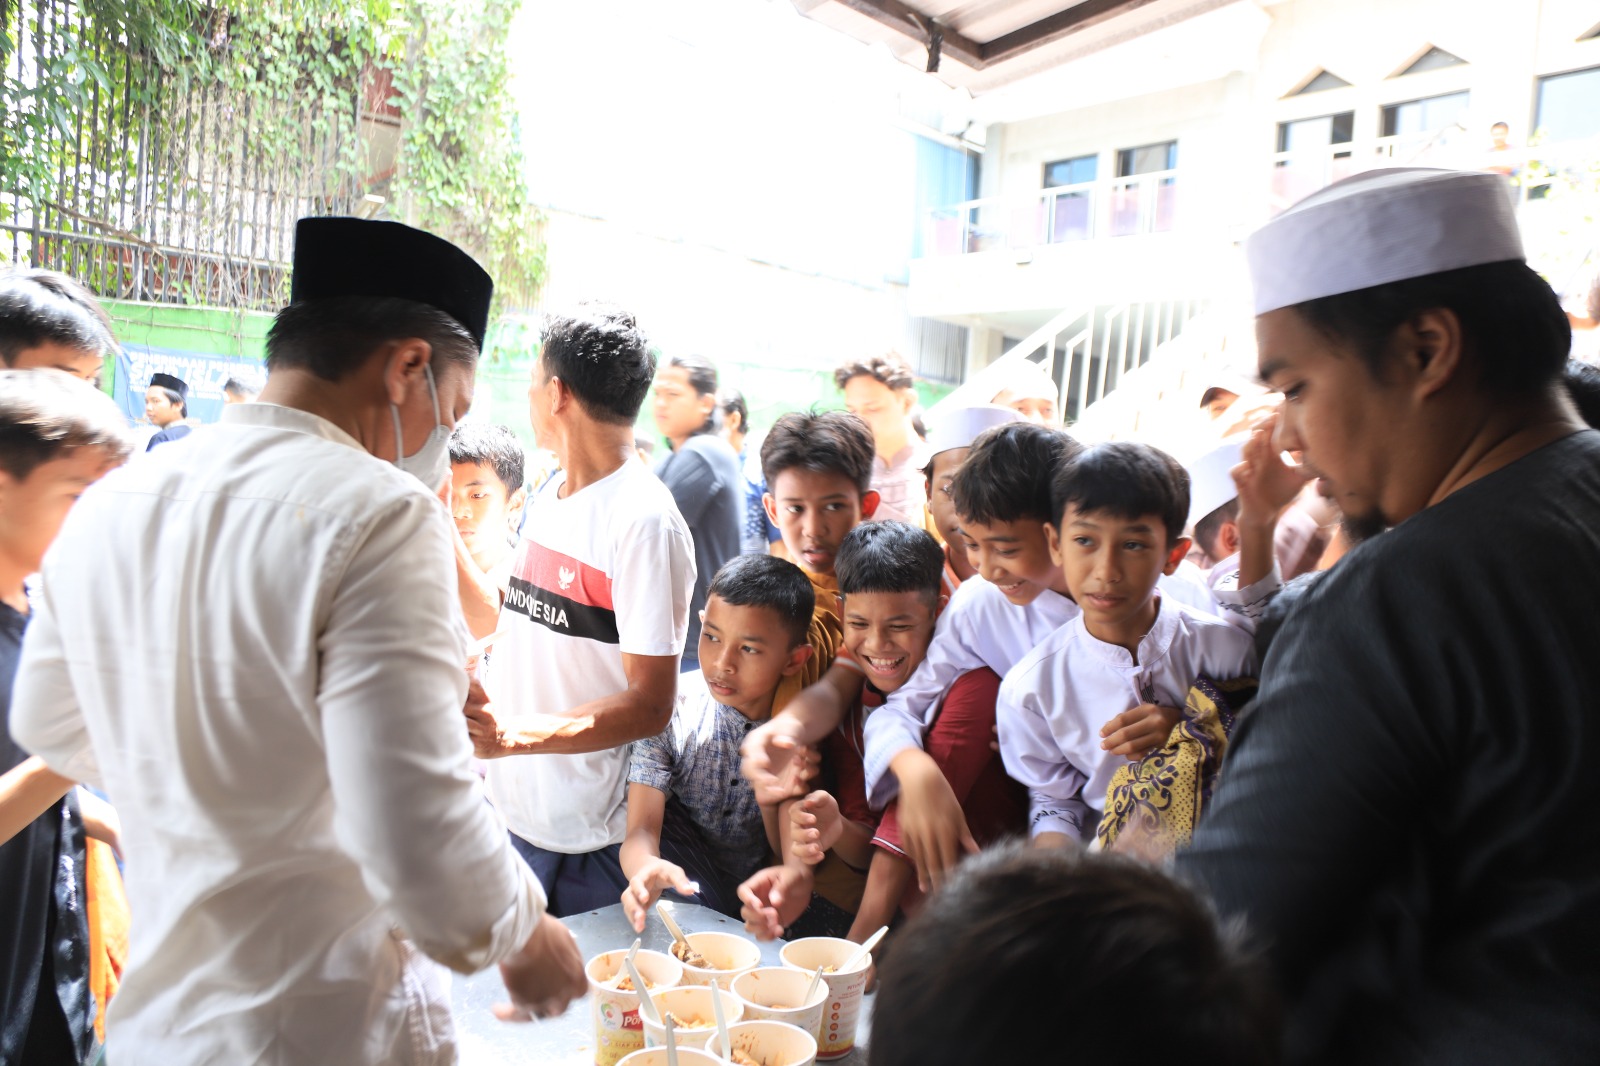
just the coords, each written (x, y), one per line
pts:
(1321, 83)
(1309, 134)
(1423, 116)
(1078, 170)
(1147, 159)
(1433, 59)
(1569, 105)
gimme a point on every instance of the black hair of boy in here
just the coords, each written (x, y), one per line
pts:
(825, 442)
(40, 307)
(1126, 479)
(891, 371)
(603, 358)
(1209, 528)
(493, 446)
(1514, 333)
(889, 557)
(44, 414)
(1583, 385)
(775, 584)
(331, 337)
(1027, 948)
(1006, 476)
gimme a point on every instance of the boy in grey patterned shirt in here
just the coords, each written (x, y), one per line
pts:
(693, 823)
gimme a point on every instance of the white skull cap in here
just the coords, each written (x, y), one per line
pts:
(1211, 477)
(1380, 227)
(959, 427)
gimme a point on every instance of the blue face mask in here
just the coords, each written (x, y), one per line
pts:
(430, 464)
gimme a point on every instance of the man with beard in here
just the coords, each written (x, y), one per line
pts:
(1403, 817)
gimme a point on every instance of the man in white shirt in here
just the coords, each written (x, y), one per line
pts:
(594, 620)
(256, 646)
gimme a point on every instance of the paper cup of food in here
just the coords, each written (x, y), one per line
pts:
(614, 1003)
(770, 1044)
(657, 1056)
(773, 993)
(837, 1033)
(695, 1017)
(716, 958)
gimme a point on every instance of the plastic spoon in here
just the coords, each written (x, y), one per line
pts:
(672, 926)
(722, 1023)
(672, 1043)
(811, 989)
(864, 950)
(644, 993)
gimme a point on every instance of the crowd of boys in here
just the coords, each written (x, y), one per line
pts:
(818, 739)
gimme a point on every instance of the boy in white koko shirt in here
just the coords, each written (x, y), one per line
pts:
(1119, 511)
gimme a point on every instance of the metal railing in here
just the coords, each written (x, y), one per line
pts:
(167, 194)
(1118, 207)
(1085, 350)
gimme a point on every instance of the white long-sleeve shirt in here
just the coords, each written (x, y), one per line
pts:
(253, 639)
(1053, 703)
(981, 628)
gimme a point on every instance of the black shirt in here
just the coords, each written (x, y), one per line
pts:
(45, 1012)
(1408, 814)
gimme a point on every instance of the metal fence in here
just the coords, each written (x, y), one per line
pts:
(164, 191)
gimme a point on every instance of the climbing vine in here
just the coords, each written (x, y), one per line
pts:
(172, 126)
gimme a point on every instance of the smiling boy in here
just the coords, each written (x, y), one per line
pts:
(693, 824)
(1120, 511)
(889, 582)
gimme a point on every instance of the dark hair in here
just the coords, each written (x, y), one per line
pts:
(1512, 326)
(731, 402)
(1583, 385)
(1126, 479)
(1006, 476)
(770, 582)
(830, 442)
(235, 387)
(601, 355)
(46, 413)
(493, 446)
(45, 307)
(889, 370)
(1209, 528)
(1503, 125)
(1064, 942)
(889, 557)
(702, 374)
(332, 337)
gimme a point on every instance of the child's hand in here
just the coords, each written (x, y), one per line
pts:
(1134, 734)
(776, 763)
(933, 828)
(817, 826)
(1267, 485)
(774, 898)
(645, 887)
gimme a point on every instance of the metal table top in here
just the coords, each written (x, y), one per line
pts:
(569, 1039)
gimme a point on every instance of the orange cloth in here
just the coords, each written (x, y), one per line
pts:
(825, 635)
(108, 929)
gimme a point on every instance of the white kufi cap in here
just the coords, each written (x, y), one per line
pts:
(1380, 227)
(958, 428)
(1211, 478)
